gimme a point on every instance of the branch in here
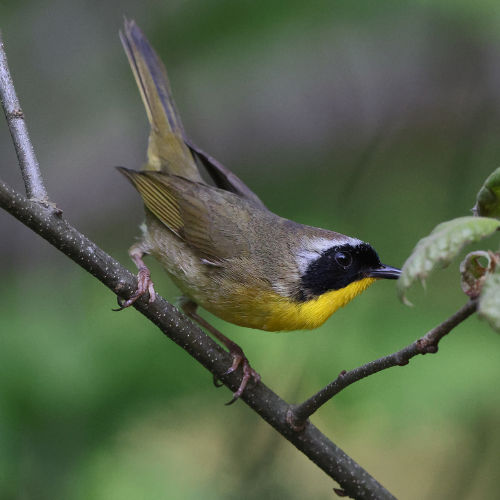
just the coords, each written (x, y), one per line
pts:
(298, 415)
(30, 170)
(288, 421)
(49, 224)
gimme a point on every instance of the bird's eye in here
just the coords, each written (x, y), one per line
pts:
(343, 259)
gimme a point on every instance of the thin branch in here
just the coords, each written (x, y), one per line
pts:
(298, 415)
(33, 182)
(354, 480)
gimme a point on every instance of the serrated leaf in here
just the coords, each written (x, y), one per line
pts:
(441, 246)
(488, 198)
(489, 301)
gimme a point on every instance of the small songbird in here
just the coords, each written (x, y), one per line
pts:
(219, 243)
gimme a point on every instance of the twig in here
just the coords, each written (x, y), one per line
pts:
(33, 182)
(354, 480)
(298, 415)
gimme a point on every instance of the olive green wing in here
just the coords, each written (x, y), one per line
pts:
(206, 218)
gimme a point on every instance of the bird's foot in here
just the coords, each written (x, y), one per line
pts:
(144, 285)
(239, 359)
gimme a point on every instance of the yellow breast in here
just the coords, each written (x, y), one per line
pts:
(272, 312)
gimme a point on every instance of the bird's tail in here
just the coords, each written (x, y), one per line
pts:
(167, 150)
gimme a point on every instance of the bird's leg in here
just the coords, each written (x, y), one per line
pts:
(189, 307)
(144, 283)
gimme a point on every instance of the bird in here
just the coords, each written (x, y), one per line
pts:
(218, 242)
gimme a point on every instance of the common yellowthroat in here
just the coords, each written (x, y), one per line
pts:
(219, 243)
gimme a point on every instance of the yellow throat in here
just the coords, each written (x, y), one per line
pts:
(273, 312)
(291, 315)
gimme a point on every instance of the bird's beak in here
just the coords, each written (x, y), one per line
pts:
(386, 272)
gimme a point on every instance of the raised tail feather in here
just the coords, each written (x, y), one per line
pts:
(167, 151)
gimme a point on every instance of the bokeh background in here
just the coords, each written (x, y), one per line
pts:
(376, 119)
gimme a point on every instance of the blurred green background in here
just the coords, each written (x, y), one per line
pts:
(376, 119)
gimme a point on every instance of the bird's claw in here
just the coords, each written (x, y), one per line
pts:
(217, 382)
(248, 373)
(144, 285)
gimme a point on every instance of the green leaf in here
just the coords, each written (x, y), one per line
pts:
(489, 301)
(488, 198)
(441, 246)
